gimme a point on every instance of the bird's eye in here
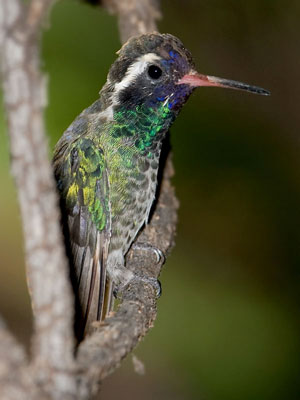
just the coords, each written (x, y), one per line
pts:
(154, 72)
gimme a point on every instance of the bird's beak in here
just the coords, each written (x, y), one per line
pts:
(195, 80)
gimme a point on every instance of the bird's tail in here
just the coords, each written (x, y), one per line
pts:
(93, 288)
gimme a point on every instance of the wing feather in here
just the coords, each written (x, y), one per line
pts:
(81, 174)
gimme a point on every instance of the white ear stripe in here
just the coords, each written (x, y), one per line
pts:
(137, 68)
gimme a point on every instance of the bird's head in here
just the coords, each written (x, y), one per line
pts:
(156, 69)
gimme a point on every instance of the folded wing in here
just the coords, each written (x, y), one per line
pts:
(82, 178)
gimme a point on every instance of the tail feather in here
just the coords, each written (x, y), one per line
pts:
(94, 289)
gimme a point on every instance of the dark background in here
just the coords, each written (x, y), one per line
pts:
(228, 321)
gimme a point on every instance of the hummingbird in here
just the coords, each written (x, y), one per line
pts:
(106, 163)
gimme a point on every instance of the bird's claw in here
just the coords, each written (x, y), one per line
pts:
(155, 283)
(147, 247)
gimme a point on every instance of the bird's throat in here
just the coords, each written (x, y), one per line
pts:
(143, 126)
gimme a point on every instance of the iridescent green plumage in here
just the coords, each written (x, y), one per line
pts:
(84, 167)
(86, 160)
(142, 122)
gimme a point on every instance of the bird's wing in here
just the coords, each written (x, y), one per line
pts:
(82, 180)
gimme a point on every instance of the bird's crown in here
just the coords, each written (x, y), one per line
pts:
(163, 47)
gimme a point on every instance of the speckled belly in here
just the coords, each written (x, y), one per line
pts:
(133, 207)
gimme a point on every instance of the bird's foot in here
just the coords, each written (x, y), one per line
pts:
(148, 247)
(155, 283)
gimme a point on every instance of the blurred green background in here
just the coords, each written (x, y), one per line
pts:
(228, 320)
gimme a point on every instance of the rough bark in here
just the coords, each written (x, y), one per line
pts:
(54, 370)
(25, 98)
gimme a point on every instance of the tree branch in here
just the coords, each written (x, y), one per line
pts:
(13, 364)
(47, 267)
(135, 16)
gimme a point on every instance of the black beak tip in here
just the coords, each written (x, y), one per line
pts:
(264, 92)
(252, 89)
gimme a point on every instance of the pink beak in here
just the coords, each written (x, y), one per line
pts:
(195, 80)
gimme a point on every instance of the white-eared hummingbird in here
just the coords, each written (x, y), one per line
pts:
(106, 163)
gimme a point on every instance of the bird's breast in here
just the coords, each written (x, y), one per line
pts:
(132, 191)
